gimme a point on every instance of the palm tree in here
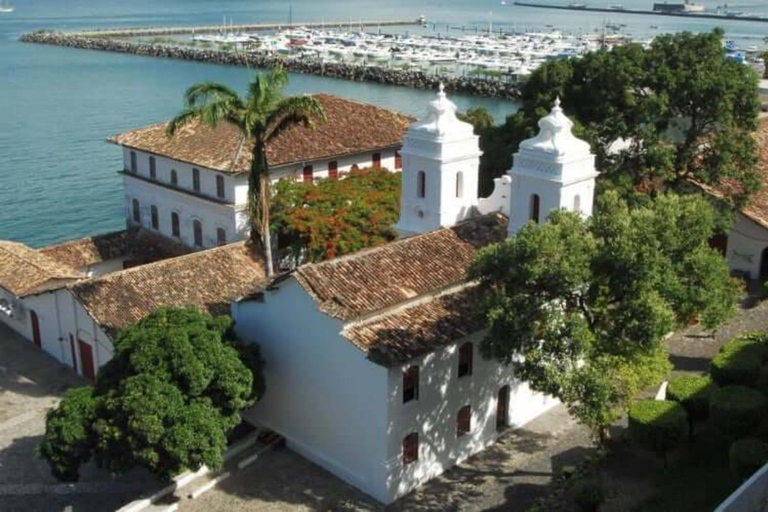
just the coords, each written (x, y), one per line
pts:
(261, 115)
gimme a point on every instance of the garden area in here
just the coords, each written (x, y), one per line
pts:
(688, 452)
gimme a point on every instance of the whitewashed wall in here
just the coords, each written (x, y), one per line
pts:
(322, 395)
(746, 242)
(434, 414)
(320, 167)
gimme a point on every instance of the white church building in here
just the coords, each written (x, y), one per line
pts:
(377, 376)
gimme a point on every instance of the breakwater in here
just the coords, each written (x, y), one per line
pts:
(417, 79)
(694, 16)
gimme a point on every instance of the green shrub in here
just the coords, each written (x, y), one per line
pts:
(659, 425)
(740, 361)
(589, 495)
(747, 456)
(736, 411)
(692, 392)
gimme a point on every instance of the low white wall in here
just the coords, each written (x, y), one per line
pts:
(752, 496)
(746, 242)
(498, 201)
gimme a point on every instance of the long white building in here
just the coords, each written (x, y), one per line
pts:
(193, 187)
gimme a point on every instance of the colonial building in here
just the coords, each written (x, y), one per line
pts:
(380, 379)
(193, 187)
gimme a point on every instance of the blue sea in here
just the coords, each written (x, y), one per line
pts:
(58, 106)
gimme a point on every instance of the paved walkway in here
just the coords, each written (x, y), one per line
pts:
(32, 382)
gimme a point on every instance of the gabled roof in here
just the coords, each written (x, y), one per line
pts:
(369, 281)
(351, 128)
(208, 280)
(139, 245)
(414, 330)
(24, 271)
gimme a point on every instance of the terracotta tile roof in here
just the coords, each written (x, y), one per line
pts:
(24, 271)
(351, 128)
(415, 330)
(138, 245)
(208, 280)
(371, 280)
(757, 208)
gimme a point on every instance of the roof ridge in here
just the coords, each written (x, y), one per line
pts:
(119, 273)
(80, 240)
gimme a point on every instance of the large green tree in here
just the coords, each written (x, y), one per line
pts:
(335, 217)
(684, 110)
(261, 115)
(579, 307)
(166, 400)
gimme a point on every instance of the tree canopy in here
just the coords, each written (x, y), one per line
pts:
(579, 306)
(335, 217)
(166, 400)
(682, 109)
(261, 115)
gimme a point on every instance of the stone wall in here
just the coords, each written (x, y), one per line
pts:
(416, 79)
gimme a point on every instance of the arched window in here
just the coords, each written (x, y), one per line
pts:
(421, 184)
(155, 219)
(410, 448)
(535, 206)
(220, 186)
(577, 203)
(136, 211)
(175, 225)
(221, 236)
(459, 184)
(174, 178)
(197, 229)
(152, 168)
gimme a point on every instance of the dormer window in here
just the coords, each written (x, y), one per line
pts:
(411, 384)
(152, 168)
(465, 359)
(421, 184)
(535, 206)
(134, 165)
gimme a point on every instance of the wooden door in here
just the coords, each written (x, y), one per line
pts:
(502, 409)
(35, 328)
(86, 360)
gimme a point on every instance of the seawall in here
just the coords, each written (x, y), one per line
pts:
(407, 78)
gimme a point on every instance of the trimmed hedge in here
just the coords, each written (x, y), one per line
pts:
(747, 456)
(740, 361)
(692, 392)
(659, 425)
(736, 411)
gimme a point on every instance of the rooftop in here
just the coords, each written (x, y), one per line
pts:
(138, 245)
(372, 280)
(208, 280)
(24, 271)
(351, 128)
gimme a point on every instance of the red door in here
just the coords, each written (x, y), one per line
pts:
(308, 174)
(333, 170)
(502, 409)
(35, 328)
(86, 360)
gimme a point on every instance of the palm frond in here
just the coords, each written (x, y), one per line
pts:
(205, 92)
(186, 116)
(304, 110)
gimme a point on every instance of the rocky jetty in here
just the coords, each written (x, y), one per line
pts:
(357, 72)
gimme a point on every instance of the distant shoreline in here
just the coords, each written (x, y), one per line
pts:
(415, 79)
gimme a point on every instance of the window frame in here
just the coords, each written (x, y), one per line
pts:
(196, 185)
(152, 168)
(136, 210)
(308, 174)
(175, 224)
(221, 237)
(464, 421)
(154, 217)
(376, 160)
(410, 448)
(197, 232)
(421, 184)
(174, 178)
(221, 190)
(333, 169)
(459, 185)
(411, 384)
(134, 164)
(398, 161)
(535, 208)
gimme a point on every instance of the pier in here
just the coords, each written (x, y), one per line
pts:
(696, 16)
(253, 27)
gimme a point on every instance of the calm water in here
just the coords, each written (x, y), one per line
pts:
(57, 106)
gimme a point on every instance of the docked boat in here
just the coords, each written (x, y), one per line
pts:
(6, 7)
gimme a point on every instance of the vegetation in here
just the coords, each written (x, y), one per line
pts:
(336, 217)
(740, 361)
(736, 411)
(659, 425)
(166, 401)
(578, 307)
(685, 110)
(747, 456)
(692, 392)
(589, 494)
(261, 115)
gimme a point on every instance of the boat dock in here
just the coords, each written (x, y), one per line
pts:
(585, 8)
(212, 29)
